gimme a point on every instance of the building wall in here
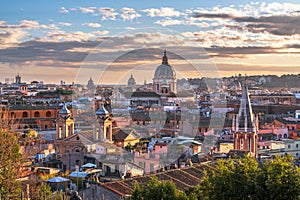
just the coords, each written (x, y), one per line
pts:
(226, 147)
(150, 163)
(34, 118)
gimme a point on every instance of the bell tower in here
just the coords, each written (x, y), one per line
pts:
(64, 123)
(245, 125)
(105, 121)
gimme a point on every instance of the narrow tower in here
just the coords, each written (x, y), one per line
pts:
(64, 123)
(105, 122)
(245, 125)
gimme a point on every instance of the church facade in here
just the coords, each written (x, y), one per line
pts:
(245, 125)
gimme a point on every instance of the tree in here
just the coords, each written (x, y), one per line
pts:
(231, 179)
(10, 163)
(244, 179)
(31, 133)
(156, 190)
(280, 179)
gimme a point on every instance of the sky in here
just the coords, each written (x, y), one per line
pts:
(109, 40)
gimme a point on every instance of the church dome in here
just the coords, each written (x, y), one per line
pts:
(91, 84)
(102, 111)
(164, 71)
(64, 110)
(131, 81)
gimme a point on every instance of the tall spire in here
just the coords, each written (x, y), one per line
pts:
(165, 58)
(245, 115)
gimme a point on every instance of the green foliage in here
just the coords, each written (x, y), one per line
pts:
(156, 190)
(244, 179)
(56, 93)
(31, 133)
(280, 179)
(233, 179)
(45, 191)
(53, 196)
(10, 163)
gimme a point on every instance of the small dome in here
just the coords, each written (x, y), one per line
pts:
(102, 111)
(91, 83)
(164, 70)
(131, 81)
(64, 110)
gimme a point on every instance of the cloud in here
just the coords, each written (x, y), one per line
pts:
(169, 22)
(277, 25)
(162, 12)
(12, 34)
(59, 35)
(94, 25)
(88, 9)
(199, 23)
(129, 28)
(105, 32)
(26, 24)
(11, 38)
(64, 24)
(212, 15)
(63, 10)
(275, 18)
(129, 14)
(29, 24)
(108, 13)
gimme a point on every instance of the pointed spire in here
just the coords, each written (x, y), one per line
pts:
(245, 115)
(165, 58)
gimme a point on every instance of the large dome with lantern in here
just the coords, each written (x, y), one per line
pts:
(165, 70)
(164, 80)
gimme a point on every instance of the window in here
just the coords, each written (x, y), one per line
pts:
(46, 126)
(25, 114)
(151, 167)
(13, 115)
(77, 162)
(297, 145)
(48, 114)
(289, 146)
(36, 114)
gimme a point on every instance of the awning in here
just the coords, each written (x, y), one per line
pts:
(57, 179)
(89, 165)
(78, 174)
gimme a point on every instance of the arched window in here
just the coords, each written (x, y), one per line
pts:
(25, 114)
(36, 114)
(48, 114)
(13, 115)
